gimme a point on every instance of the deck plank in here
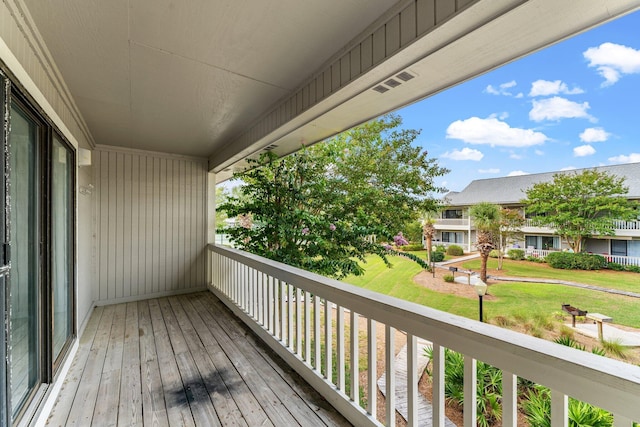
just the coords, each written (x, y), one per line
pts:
(291, 381)
(276, 410)
(175, 397)
(130, 405)
(154, 411)
(181, 361)
(81, 413)
(60, 412)
(226, 408)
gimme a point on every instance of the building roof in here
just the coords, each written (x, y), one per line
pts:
(511, 189)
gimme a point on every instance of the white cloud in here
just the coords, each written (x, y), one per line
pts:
(464, 154)
(568, 168)
(491, 170)
(493, 132)
(613, 60)
(520, 95)
(594, 135)
(624, 158)
(502, 89)
(557, 108)
(546, 88)
(517, 173)
(515, 156)
(539, 152)
(583, 151)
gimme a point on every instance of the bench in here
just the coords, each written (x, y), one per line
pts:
(598, 319)
(573, 312)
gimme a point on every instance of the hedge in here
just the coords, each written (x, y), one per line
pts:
(573, 261)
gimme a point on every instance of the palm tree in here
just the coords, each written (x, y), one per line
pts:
(429, 230)
(486, 219)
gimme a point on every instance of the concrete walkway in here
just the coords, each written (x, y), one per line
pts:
(425, 409)
(609, 333)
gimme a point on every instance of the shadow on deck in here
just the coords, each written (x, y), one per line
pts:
(183, 360)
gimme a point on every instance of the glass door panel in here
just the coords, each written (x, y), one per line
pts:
(24, 231)
(61, 245)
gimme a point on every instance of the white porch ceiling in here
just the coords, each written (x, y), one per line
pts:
(190, 77)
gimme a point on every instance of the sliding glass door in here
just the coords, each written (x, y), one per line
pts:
(61, 226)
(37, 254)
(25, 331)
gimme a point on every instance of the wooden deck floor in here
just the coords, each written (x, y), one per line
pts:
(181, 361)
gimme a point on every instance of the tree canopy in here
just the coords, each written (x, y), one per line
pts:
(580, 205)
(317, 208)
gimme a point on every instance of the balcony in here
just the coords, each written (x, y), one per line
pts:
(452, 224)
(181, 361)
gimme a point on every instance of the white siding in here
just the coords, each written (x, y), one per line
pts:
(150, 224)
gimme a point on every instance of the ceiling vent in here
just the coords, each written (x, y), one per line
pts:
(393, 83)
(269, 147)
(405, 76)
(381, 89)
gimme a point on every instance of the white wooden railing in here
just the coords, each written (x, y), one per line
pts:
(620, 259)
(288, 308)
(452, 221)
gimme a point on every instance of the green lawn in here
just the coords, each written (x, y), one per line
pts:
(622, 280)
(513, 299)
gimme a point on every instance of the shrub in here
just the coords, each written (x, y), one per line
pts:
(494, 253)
(489, 386)
(448, 278)
(516, 254)
(437, 256)
(534, 258)
(440, 248)
(633, 268)
(537, 409)
(573, 261)
(455, 250)
(615, 266)
(413, 247)
(616, 348)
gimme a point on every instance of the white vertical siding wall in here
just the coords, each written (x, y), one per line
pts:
(150, 224)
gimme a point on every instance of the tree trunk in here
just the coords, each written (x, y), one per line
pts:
(483, 266)
(429, 249)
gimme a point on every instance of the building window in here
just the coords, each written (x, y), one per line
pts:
(452, 237)
(452, 214)
(619, 247)
(542, 242)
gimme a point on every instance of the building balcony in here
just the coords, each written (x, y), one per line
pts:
(187, 360)
(452, 224)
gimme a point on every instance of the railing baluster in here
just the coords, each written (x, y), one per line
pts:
(328, 340)
(290, 316)
(355, 374)
(470, 391)
(559, 409)
(372, 395)
(390, 374)
(265, 299)
(271, 306)
(276, 308)
(509, 399)
(283, 311)
(438, 386)
(412, 380)
(307, 327)
(299, 322)
(316, 332)
(340, 348)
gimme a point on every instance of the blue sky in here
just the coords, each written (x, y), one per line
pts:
(573, 105)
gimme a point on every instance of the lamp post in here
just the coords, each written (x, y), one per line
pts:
(481, 290)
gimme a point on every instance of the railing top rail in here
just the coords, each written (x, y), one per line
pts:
(609, 383)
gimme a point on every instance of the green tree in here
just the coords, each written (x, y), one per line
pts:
(315, 209)
(486, 217)
(580, 205)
